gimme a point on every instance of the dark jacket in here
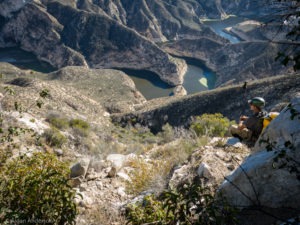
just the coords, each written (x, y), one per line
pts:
(255, 124)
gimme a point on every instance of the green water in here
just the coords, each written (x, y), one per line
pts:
(151, 86)
(148, 83)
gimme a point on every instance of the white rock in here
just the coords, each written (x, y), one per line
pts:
(124, 176)
(30, 122)
(233, 142)
(121, 191)
(86, 200)
(204, 171)
(178, 175)
(97, 165)
(59, 152)
(117, 160)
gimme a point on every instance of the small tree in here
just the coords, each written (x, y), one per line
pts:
(34, 189)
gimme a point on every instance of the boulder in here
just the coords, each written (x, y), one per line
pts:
(80, 168)
(204, 171)
(117, 160)
(179, 91)
(269, 177)
(233, 142)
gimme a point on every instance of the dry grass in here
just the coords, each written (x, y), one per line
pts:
(153, 174)
(147, 175)
(101, 214)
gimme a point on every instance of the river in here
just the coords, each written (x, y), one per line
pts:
(219, 25)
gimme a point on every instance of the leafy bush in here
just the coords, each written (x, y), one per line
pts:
(189, 204)
(58, 122)
(54, 138)
(35, 190)
(150, 210)
(211, 125)
(80, 126)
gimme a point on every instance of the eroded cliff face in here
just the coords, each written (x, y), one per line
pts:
(63, 35)
(233, 63)
(120, 34)
(156, 19)
(34, 30)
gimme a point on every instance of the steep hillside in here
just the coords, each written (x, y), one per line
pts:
(110, 45)
(233, 63)
(140, 36)
(231, 101)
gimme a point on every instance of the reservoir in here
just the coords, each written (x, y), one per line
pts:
(197, 78)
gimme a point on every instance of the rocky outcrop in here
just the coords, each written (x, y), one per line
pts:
(210, 163)
(62, 35)
(159, 20)
(202, 49)
(34, 30)
(7, 8)
(247, 61)
(118, 34)
(179, 91)
(111, 88)
(232, 63)
(269, 178)
(107, 44)
(248, 8)
(244, 29)
(252, 30)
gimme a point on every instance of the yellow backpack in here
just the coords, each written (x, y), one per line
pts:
(268, 118)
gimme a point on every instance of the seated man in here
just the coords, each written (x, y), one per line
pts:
(249, 128)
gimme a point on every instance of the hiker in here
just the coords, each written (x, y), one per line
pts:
(249, 128)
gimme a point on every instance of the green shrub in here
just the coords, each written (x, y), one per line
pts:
(58, 122)
(142, 176)
(211, 125)
(189, 204)
(35, 190)
(80, 126)
(54, 138)
(148, 211)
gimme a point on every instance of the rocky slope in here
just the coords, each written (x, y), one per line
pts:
(231, 101)
(233, 63)
(118, 34)
(110, 45)
(104, 179)
(34, 30)
(275, 188)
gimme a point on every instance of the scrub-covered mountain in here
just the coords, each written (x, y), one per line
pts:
(75, 37)
(136, 35)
